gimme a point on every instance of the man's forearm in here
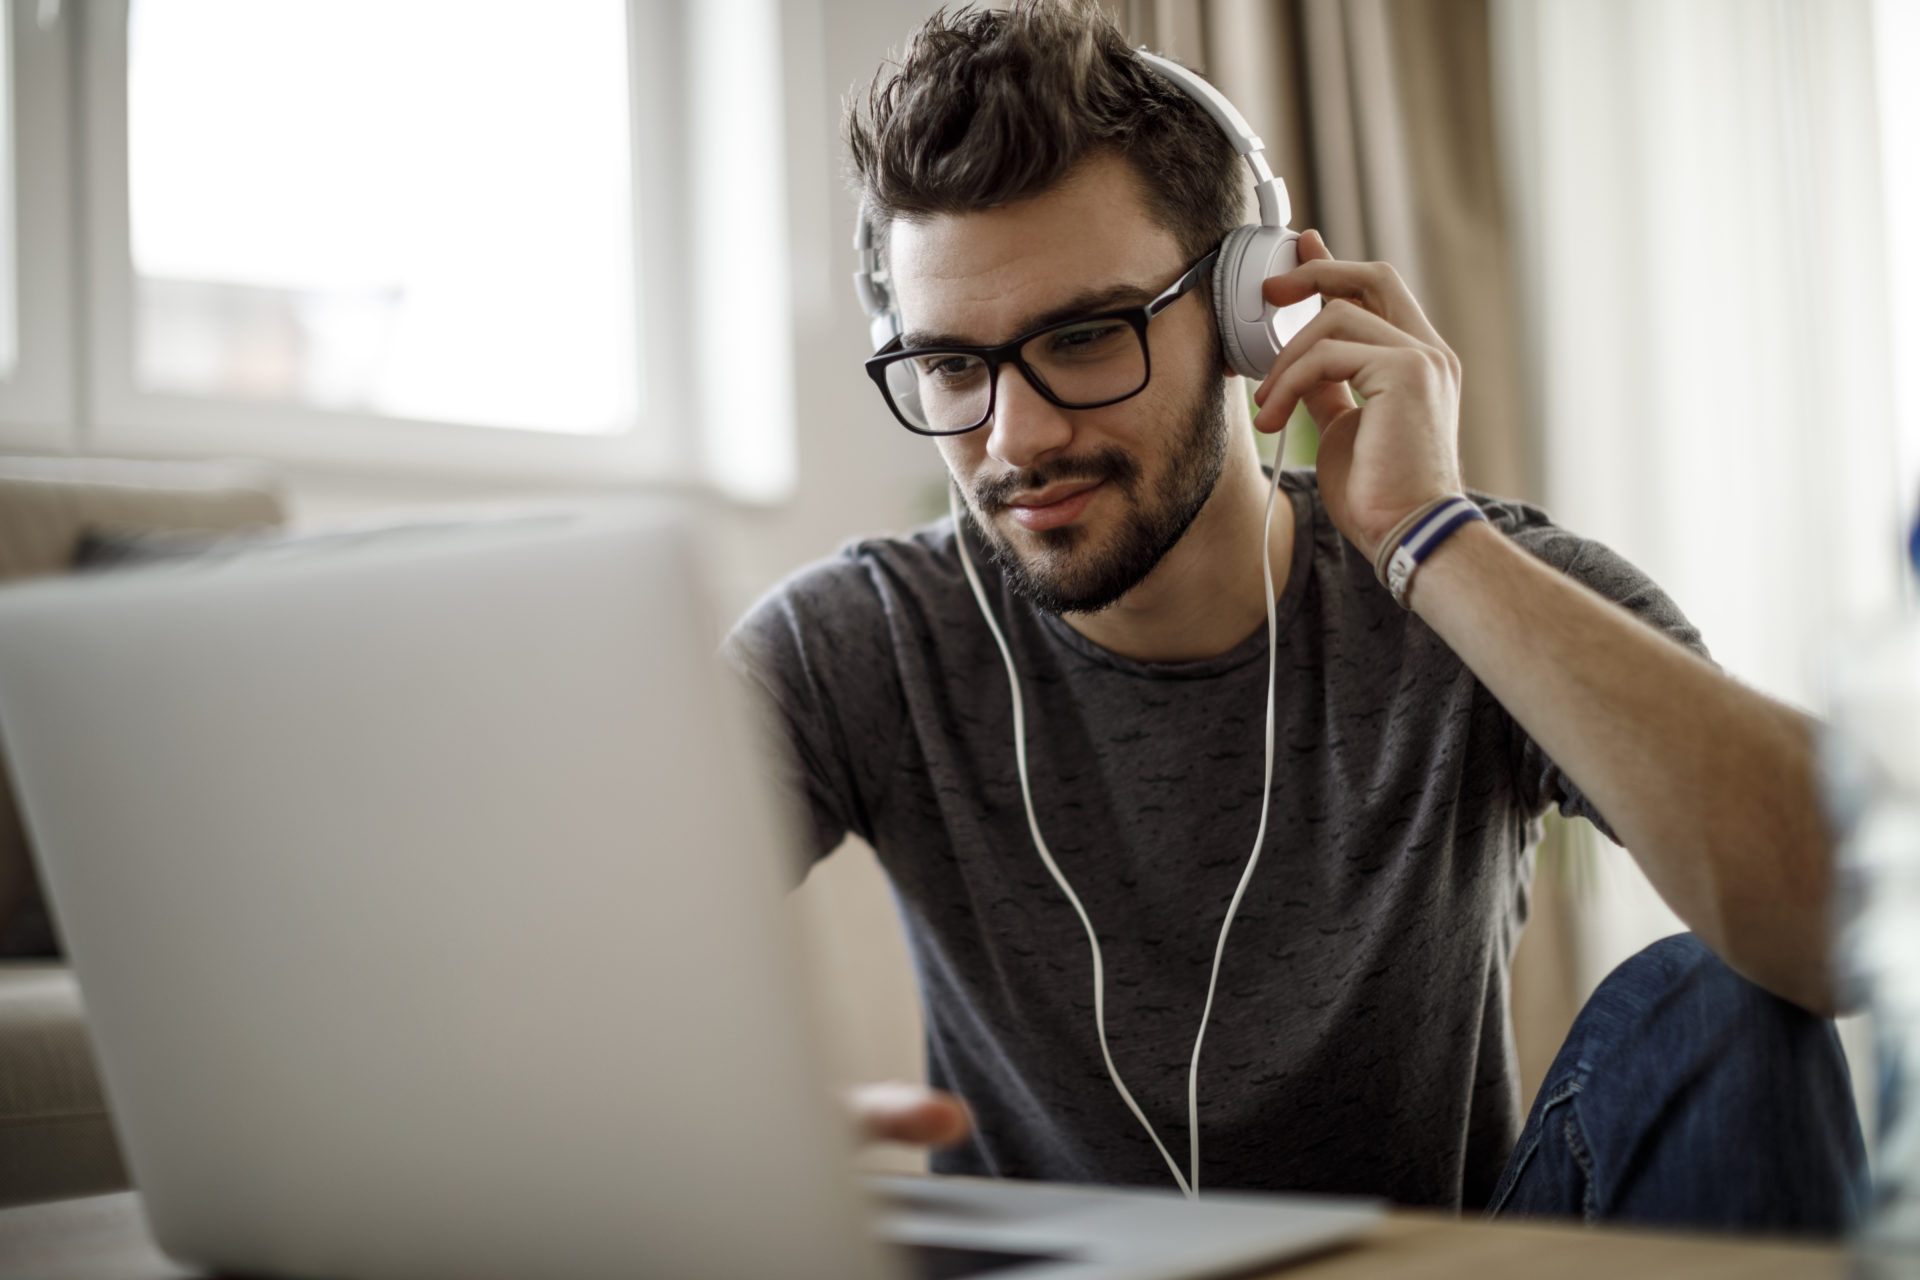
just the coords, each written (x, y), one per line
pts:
(1711, 785)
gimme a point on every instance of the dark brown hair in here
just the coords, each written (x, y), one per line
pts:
(990, 106)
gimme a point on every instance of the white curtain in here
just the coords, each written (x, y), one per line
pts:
(1897, 46)
(1700, 200)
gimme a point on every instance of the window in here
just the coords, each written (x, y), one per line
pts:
(409, 235)
(310, 222)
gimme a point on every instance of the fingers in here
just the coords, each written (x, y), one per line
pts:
(1375, 286)
(1324, 403)
(911, 1113)
(1330, 360)
(1328, 402)
(1339, 320)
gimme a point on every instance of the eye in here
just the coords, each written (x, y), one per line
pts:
(1089, 340)
(949, 368)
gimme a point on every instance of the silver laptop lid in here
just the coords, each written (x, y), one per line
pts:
(423, 895)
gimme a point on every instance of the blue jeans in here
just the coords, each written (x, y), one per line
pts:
(1685, 1096)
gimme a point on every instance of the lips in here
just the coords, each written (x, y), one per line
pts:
(1053, 506)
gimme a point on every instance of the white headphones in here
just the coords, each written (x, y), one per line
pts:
(1251, 332)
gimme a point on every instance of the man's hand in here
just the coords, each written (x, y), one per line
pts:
(911, 1113)
(1378, 462)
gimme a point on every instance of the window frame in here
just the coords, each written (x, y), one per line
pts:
(38, 399)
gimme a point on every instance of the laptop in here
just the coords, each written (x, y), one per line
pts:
(424, 890)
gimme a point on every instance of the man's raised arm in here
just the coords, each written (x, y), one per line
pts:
(1710, 784)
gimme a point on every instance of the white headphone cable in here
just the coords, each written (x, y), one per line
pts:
(1260, 835)
(1189, 1187)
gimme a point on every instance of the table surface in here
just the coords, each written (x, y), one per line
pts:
(105, 1238)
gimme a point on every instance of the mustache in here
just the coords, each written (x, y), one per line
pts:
(1110, 463)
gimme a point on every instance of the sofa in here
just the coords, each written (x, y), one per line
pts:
(56, 1136)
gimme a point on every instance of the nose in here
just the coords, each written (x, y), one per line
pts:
(1026, 427)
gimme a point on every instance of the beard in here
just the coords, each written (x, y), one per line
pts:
(1069, 573)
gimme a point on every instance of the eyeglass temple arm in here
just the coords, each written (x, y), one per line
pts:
(1179, 287)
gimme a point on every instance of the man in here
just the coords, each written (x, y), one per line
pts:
(1027, 171)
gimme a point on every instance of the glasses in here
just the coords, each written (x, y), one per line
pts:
(1083, 363)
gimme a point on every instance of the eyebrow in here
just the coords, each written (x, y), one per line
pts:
(1081, 304)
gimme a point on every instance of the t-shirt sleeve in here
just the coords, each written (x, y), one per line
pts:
(1541, 782)
(815, 658)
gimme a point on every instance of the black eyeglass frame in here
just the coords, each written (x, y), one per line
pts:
(1009, 353)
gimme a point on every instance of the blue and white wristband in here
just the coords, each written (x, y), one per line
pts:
(1416, 538)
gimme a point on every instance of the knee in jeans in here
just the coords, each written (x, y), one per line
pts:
(1679, 986)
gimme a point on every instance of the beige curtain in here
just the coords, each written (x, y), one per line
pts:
(1380, 116)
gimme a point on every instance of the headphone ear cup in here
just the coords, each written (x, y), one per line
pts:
(1226, 271)
(1248, 256)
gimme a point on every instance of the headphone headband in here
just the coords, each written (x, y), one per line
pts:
(1275, 210)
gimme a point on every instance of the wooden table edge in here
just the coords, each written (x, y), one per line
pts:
(105, 1238)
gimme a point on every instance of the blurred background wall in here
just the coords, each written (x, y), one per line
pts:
(418, 254)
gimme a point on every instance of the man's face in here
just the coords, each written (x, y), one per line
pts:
(1076, 505)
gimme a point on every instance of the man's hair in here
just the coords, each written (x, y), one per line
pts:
(990, 106)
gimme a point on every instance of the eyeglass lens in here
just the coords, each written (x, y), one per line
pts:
(1081, 363)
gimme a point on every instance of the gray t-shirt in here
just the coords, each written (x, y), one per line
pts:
(1361, 1040)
